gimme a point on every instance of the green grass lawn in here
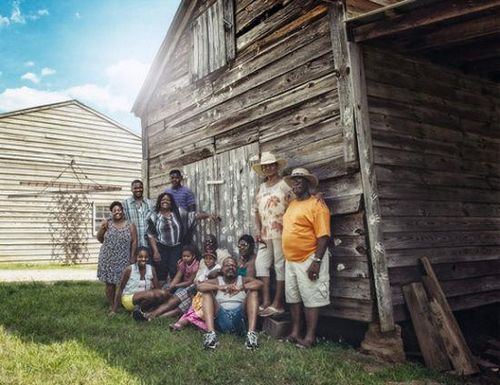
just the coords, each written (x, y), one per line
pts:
(61, 334)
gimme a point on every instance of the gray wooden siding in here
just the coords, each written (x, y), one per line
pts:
(436, 136)
(280, 93)
(226, 185)
(36, 146)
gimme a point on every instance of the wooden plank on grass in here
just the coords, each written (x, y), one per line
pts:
(458, 351)
(429, 340)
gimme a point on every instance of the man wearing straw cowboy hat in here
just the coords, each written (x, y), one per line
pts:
(271, 202)
(306, 233)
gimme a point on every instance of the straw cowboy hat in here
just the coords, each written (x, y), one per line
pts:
(303, 173)
(267, 158)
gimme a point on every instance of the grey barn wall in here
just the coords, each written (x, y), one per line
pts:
(37, 145)
(436, 137)
(280, 92)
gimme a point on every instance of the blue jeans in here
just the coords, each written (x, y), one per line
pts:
(230, 321)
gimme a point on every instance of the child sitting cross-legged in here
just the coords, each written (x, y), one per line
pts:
(194, 314)
(139, 286)
(179, 288)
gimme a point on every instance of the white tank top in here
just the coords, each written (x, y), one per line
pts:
(227, 301)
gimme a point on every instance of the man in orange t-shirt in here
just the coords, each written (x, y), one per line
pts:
(306, 233)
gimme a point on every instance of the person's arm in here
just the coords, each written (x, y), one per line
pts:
(252, 284)
(156, 283)
(251, 272)
(119, 291)
(207, 286)
(258, 227)
(133, 243)
(176, 281)
(154, 246)
(314, 267)
(102, 230)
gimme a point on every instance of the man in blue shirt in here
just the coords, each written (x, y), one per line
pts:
(183, 195)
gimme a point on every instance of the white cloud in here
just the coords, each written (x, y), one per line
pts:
(115, 98)
(31, 77)
(77, 15)
(48, 71)
(29, 64)
(16, 15)
(24, 97)
(4, 21)
(127, 76)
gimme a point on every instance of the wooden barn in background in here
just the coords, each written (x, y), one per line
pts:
(393, 105)
(61, 165)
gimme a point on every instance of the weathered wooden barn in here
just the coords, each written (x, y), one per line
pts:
(61, 165)
(394, 105)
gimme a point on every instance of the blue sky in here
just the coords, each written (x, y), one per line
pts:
(96, 51)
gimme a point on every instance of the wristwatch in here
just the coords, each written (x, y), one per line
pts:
(316, 259)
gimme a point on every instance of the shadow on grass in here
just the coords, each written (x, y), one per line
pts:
(151, 354)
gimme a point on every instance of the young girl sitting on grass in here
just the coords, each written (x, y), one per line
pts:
(180, 295)
(194, 314)
(139, 286)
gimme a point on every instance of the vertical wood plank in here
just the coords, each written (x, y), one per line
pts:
(220, 51)
(378, 256)
(455, 344)
(342, 65)
(430, 342)
(203, 42)
(195, 53)
(211, 38)
(229, 29)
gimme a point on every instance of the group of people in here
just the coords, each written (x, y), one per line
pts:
(151, 268)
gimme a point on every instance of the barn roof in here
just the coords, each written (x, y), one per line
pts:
(458, 33)
(67, 103)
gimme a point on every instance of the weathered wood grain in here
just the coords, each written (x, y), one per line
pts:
(458, 351)
(430, 342)
(342, 63)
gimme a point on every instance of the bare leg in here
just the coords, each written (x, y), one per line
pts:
(209, 311)
(278, 296)
(312, 315)
(252, 308)
(296, 314)
(266, 291)
(172, 313)
(171, 304)
(149, 297)
(110, 292)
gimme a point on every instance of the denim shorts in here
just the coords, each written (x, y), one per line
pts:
(231, 321)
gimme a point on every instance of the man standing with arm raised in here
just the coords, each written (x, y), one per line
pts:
(306, 234)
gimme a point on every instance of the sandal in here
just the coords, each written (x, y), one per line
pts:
(271, 311)
(176, 327)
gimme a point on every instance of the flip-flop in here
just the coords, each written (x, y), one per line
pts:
(271, 311)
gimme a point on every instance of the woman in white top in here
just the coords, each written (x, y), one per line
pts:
(271, 203)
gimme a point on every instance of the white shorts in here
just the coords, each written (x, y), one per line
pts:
(269, 251)
(299, 288)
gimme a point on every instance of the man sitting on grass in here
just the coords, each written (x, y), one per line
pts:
(225, 300)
